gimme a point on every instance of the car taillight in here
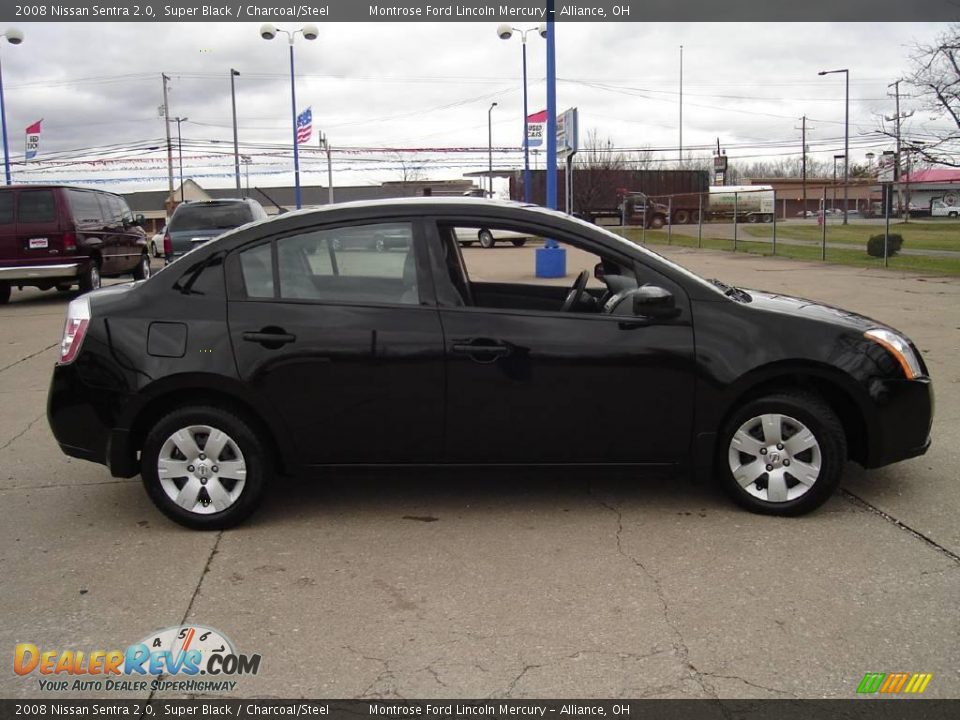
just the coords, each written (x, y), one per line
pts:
(74, 330)
(69, 242)
(167, 245)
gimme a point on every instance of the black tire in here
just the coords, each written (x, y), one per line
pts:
(519, 242)
(753, 218)
(154, 250)
(90, 277)
(64, 287)
(695, 217)
(816, 415)
(681, 217)
(245, 439)
(486, 239)
(142, 270)
(466, 243)
(953, 215)
(4, 293)
(657, 222)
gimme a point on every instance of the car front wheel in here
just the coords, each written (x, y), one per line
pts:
(204, 468)
(486, 239)
(782, 454)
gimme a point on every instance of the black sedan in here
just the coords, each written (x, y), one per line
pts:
(274, 350)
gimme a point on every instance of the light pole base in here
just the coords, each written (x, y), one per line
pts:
(551, 262)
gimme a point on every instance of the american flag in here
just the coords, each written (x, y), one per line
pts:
(304, 126)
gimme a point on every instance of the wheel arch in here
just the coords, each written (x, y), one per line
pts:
(838, 391)
(197, 391)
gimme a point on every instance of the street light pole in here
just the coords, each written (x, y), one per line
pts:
(490, 149)
(14, 37)
(236, 142)
(505, 32)
(269, 31)
(179, 120)
(846, 139)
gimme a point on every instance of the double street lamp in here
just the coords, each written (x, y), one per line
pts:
(846, 140)
(505, 32)
(14, 37)
(268, 31)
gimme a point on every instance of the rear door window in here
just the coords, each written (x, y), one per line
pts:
(37, 206)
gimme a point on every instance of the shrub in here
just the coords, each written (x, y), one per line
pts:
(875, 245)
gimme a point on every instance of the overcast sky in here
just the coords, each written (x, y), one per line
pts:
(429, 86)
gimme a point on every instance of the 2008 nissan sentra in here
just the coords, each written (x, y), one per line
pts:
(280, 348)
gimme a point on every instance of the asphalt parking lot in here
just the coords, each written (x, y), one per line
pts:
(506, 584)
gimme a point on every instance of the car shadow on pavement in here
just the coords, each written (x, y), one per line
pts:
(426, 494)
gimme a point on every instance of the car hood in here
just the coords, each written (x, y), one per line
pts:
(802, 308)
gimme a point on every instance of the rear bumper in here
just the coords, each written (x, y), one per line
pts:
(30, 273)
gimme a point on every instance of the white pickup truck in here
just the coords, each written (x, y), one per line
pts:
(939, 208)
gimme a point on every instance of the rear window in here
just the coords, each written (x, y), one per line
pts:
(6, 208)
(210, 216)
(37, 206)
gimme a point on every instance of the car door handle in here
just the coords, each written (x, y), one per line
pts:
(270, 338)
(482, 352)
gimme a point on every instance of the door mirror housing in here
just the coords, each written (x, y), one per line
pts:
(598, 271)
(653, 301)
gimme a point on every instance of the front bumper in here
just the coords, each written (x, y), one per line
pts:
(902, 419)
(29, 273)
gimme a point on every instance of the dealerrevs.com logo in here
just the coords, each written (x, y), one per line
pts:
(189, 658)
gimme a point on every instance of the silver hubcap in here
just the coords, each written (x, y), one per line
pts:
(201, 469)
(94, 277)
(775, 458)
(146, 266)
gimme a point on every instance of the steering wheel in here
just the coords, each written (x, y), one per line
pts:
(576, 292)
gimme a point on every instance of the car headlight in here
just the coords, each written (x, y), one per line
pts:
(899, 347)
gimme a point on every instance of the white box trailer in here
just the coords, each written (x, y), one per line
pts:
(750, 203)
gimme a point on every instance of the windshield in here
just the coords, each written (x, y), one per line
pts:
(210, 216)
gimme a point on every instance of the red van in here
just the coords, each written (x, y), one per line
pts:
(58, 236)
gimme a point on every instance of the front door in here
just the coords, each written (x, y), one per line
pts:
(333, 333)
(529, 382)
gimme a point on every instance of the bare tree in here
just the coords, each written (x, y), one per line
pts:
(411, 173)
(935, 73)
(592, 165)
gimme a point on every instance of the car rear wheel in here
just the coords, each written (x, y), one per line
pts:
(486, 239)
(782, 454)
(519, 242)
(657, 222)
(204, 468)
(90, 277)
(142, 270)
(4, 293)
(681, 217)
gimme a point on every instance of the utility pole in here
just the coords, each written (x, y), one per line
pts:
(236, 142)
(896, 158)
(681, 106)
(325, 145)
(804, 164)
(166, 121)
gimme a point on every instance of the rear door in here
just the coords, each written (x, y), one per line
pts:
(130, 237)
(341, 340)
(39, 228)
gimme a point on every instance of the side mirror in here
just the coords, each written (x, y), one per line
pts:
(653, 301)
(598, 271)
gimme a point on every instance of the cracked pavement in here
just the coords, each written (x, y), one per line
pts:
(483, 584)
